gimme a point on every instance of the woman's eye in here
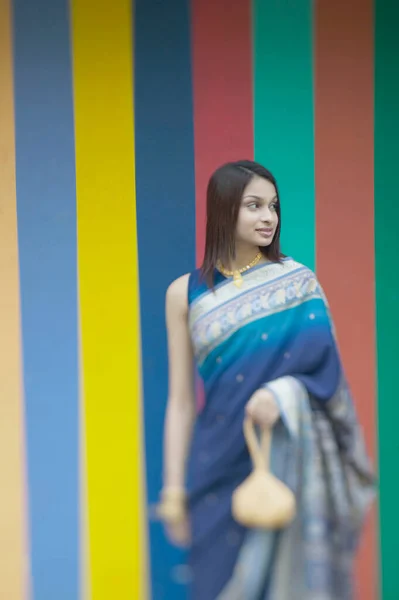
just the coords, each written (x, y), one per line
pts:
(253, 206)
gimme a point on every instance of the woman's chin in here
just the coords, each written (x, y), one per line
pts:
(263, 242)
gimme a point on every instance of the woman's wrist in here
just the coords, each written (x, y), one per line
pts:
(172, 507)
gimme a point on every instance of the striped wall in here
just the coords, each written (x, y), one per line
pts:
(111, 123)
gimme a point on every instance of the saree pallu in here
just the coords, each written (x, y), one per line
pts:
(274, 332)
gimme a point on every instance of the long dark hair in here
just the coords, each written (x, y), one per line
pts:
(223, 200)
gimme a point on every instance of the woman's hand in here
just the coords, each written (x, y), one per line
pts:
(178, 532)
(262, 408)
(173, 512)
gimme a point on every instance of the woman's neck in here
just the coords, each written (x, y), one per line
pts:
(244, 256)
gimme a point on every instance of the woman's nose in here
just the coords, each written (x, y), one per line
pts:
(266, 214)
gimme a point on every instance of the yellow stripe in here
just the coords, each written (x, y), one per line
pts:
(109, 298)
(13, 546)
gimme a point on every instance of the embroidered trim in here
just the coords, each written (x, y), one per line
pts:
(211, 327)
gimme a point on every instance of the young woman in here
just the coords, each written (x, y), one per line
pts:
(257, 325)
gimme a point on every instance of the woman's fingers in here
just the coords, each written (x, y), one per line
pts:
(262, 408)
(179, 533)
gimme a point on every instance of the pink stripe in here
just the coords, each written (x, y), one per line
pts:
(223, 107)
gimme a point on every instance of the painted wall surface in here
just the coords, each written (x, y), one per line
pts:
(112, 118)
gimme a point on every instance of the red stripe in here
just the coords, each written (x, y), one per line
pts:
(344, 90)
(222, 79)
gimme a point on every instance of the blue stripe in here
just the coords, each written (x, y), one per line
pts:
(46, 202)
(165, 222)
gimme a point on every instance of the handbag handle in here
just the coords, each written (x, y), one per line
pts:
(259, 452)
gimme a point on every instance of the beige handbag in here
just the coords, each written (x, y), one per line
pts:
(262, 501)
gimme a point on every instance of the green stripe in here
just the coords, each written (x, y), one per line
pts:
(284, 130)
(387, 281)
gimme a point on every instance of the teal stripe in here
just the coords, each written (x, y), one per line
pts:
(283, 97)
(387, 280)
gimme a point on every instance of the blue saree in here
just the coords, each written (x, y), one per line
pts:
(274, 331)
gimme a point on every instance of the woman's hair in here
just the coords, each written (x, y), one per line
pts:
(223, 200)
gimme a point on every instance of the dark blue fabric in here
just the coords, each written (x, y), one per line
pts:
(278, 327)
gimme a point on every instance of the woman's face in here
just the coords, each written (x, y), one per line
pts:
(257, 219)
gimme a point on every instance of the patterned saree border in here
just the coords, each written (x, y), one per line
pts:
(227, 290)
(213, 327)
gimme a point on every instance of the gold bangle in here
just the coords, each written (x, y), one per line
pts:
(175, 493)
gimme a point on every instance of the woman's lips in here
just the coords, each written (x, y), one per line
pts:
(266, 232)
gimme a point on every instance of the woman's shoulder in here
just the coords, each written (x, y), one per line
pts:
(301, 273)
(186, 288)
(307, 276)
(176, 298)
(292, 265)
(178, 288)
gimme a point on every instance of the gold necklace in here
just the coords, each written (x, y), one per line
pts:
(236, 274)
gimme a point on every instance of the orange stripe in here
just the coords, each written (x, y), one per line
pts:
(345, 207)
(13, 568)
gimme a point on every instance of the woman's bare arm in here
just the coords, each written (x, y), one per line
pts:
(180, 411)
